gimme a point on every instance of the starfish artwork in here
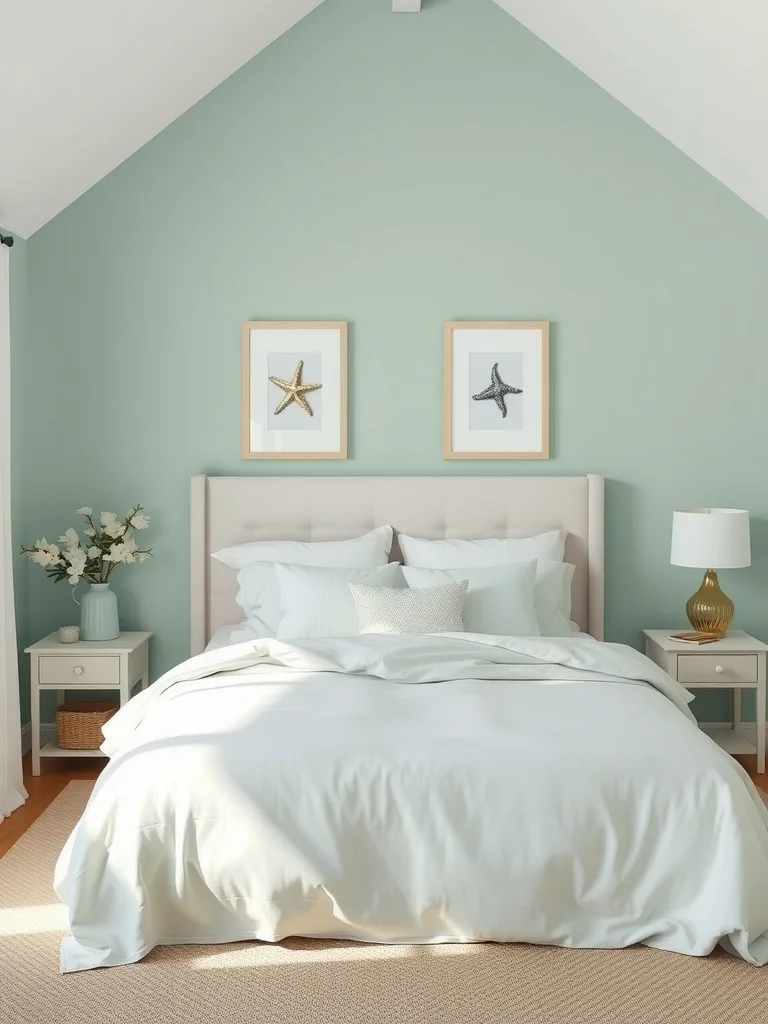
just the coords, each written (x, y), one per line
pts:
(497, 390)
(295, 391)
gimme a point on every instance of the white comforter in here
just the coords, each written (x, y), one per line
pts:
(526, 790)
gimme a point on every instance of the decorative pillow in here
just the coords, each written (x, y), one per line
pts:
(458, 554)
(499, 600)
(427, 610)
(552, 598)
(259, 594)
(317, 601)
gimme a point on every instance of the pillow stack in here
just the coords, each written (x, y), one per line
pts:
(259, 593)
(510, 587)
(498, 571)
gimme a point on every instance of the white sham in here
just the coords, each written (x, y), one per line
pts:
(453, 553)
(317, 602)
(499, 600)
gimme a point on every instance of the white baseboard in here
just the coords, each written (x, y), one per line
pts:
(47, 732)
(747, 726)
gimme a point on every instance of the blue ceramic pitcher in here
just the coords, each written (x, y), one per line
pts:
(98, 613)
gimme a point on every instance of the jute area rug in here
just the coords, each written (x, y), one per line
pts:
(302, 981)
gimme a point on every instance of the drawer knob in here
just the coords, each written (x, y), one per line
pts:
(719, 669)
(79, 670)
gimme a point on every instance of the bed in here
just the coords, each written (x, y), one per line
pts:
(410, 789)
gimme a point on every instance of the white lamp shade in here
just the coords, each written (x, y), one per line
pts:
(710, 538)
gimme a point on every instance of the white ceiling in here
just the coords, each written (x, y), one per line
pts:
(85, 83)
(695, 70)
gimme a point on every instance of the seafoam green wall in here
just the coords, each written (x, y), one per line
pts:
(18, 298)
(397, 172)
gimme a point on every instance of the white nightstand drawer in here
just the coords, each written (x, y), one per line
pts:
(85, 671)
(713, 668)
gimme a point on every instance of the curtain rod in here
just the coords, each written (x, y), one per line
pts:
(6, 240)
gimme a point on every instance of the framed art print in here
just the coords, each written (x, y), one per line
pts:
(294, 390)
(496, 390)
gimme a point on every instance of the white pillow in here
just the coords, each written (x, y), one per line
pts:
(428, 610)
(499, 600)
(259, 594)
(552, 598)
(371, 549)
(316, 601)
(458, 554)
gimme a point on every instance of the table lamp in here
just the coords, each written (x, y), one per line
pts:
(710, 539)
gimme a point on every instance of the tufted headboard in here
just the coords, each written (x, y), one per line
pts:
(229, 510)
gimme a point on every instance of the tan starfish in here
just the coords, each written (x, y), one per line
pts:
(295, 391)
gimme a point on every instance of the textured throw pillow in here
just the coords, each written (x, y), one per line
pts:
(499, 600)
(427, 610)
(458, 554)
(316, 601)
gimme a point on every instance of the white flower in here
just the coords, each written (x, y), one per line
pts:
(139, 520)
(85, 511)
(122, 552)
(46, 556)
(77, 559)
(93, 552)
(89, 532)
(142, 555)
(112, 525)
(70, 539)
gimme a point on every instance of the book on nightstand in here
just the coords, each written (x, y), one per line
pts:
(695, 638)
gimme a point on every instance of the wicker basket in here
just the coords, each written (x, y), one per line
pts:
(79, 723)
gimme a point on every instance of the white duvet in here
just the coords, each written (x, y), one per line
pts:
(536, 790)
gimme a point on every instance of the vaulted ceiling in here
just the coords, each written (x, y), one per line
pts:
(84, 84)
(695, 70)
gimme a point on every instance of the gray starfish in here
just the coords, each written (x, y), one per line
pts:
(497, 390)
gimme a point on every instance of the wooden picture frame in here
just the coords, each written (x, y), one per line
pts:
(496, 389)
(294, 397)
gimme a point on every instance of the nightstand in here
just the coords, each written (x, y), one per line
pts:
(118, 664)
(736, 663)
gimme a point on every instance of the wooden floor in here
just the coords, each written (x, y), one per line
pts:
(43, 789)
(57, 772)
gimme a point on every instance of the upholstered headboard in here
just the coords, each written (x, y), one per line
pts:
(229, 510)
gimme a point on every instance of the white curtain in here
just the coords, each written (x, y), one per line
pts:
(12, 792)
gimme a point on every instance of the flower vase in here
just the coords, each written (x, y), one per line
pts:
(98, 613)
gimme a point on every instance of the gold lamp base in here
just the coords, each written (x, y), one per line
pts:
(709, 609)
